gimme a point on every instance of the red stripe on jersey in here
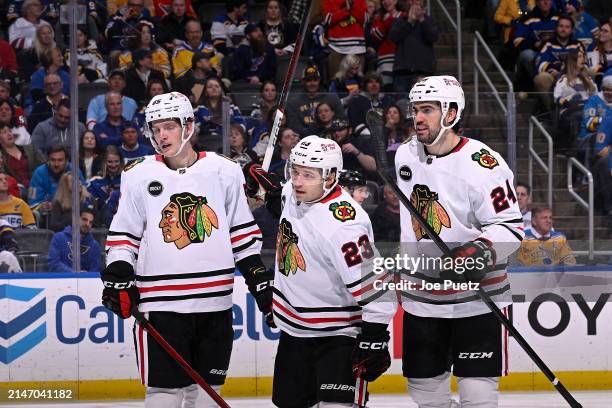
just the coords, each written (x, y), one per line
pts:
(334, 194)
(370, 286)
(189, 286)
(486, 282)
(463, 142)
(239, 237)
(122, 242)
(315, 319)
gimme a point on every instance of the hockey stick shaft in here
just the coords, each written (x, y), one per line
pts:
(142, 321)
(282, 100)
(382, 172)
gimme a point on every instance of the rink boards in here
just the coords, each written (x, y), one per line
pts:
(56, 335)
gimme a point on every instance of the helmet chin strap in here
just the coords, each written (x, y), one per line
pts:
(184, 141)
(443, 128)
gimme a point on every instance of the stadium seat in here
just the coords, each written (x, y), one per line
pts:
(33, 248)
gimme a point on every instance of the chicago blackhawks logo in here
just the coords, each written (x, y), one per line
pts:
(187, 219)
(342, 211)
(288, 254)
(485, 159)
(426, 203)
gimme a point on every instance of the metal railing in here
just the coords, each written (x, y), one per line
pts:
(571, 162)
(548, 166)
(456, 24)
(509, 108)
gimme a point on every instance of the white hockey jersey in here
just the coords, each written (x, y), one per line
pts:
(195, 224)
(465, 194)
(322, 282)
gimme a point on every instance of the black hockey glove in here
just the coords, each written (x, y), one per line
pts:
(472, 259)
(120, 293)
(371, 358)
(255, 177)
(259, 281)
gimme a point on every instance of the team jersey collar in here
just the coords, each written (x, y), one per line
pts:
(335, 193)
(160, 158)
(462, 142)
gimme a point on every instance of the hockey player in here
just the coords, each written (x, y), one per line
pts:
(465, 191)
(323, 295)
(184, 217)
(354, 182)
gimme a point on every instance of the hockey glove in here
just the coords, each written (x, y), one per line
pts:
(472, 259)
(371, 358)
(255, 177)
(259, 281)
(120, 293)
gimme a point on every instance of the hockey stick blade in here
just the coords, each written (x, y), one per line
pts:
(142, 321)
(376, 130)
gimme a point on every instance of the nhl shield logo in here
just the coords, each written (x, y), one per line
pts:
(343, 211)
(485, 159)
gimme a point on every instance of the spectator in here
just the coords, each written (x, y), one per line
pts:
(43, 109)
(60, 249)
(90, 161)
(356, 154)
(397, 130)
(29, 59)
(208, 113)
(92, 67)
(9, 117)
(542, 245)
(227, 30)
(600, 59)
(52, 63)
(353, 182)
(172, 25)
(155, 87)
(345, 31)
(14, 210)
(571, 92)
(534, 30)
(347, 81)
(139, 75)
(143, 42)
(96, 111)
(324, 116)
(122, 25)
(192, 82)
(183, 53)
(602, 168)
(596, 108)
(104, 188)
(586, 27)
(509, 13)
(287, 140)
(16, 10)
(54, 131)
(239, 146)
(61, 210)
(414, 34)
(301, 107)
(391, 10)
(19, 161)
(279, 33)
(8, 247)
(386, 219)
(261, 132)
(267, 100)
(8, 62)
(369, 98)
(523, 196)
(164, 7)
(23, 31)
(45, 178)
(108, 132)
(13, 187)
(130, 149)
(254, 60)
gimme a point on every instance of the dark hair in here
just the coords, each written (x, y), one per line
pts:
(268, 82)
(540, 209)
(317, 121)
(88, 209)
(281, 6)
(568, 18)
(46, 58)
(372, 76)
(13, 122)
(81, 151)
(58, 148)
(234, 4)
(65, 102)
(525, 186)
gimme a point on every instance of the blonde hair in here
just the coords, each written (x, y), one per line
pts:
(347, 62)
(573, 72)
(40, 48)
(63, 194)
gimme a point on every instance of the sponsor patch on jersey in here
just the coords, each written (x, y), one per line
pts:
(405, 173)
(155, 188)
(485, 159)
(343, 211)
(427, 204)
(187, 219)
(288, 255)
(132, 163)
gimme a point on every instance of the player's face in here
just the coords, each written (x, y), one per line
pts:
(522, 197)
(542, 222)
(167, 135)
(426, 117)
(169, 223)
(360, 194)
(307, 183)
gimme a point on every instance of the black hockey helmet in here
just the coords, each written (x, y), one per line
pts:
(351, 179)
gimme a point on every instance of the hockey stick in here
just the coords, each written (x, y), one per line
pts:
(280, 111)
(375, 123)
(142, 321)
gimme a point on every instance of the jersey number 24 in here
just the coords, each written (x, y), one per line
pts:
(500, 197)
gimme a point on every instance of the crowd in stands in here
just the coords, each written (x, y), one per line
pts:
(359, 55)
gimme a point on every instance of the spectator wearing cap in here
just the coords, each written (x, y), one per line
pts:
(54, 131)
(386, 218)
(370, 98)
(172, 25)
(23, 31)
(139, 74)
(192, 82)
(143, 42)
(13, 210)
(43, 109)
(254, 60)
(130, 149)
(356, 155)
(301, 106)
(587, 28)
(414, 34)
(19, 161)
(61, 211)
(60, 249)
(183, 53)
(122, 25)
(227, 30)
(108, 132)
(96, 110)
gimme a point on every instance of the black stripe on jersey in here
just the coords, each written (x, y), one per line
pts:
(455, 301)
(514, 221)
(319, 329)
(241, 226)
(517, 235)
(246, 245)
(127, 234)
(316, 309)
(372, 298)
(357, 282)
(134, 254)
(186, 297)
(155, 278)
